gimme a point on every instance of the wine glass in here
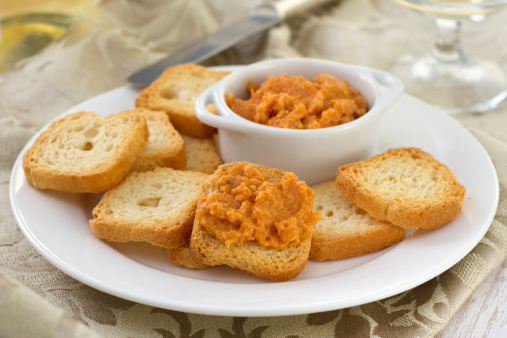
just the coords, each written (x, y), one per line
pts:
(447, 77)
(26, 27)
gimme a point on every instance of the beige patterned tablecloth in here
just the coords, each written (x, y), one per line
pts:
(120, 36)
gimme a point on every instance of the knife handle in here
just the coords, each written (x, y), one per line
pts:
(288, 8)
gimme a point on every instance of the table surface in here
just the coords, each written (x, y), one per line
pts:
(485, 313)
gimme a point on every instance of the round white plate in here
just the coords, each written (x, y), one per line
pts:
(56, 224)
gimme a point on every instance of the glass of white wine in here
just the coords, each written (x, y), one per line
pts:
(27, 26)
(446, 76)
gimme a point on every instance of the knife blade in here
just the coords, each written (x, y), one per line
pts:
(259, 20)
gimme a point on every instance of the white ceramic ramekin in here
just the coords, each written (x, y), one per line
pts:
(313, 154)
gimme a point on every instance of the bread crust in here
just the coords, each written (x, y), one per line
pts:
(175, 92)
(355, 244)
(345, 230)
(182, 257)
(264, 262)
(64, 138)
(391, 186)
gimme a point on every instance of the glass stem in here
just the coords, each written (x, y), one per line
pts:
(447, 47)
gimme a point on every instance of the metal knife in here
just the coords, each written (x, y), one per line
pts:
(260, 19)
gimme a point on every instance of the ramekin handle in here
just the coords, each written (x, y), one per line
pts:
(225, 121)
(391, 86)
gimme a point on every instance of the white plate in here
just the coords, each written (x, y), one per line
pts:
(57, 225)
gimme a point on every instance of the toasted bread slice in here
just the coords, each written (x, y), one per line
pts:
(156, 206)
(262, 261)
(201, 154)
(84, 152)
(182, 257)
(346, 230)
(175, 92)
(165, 147)
(405, 186)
